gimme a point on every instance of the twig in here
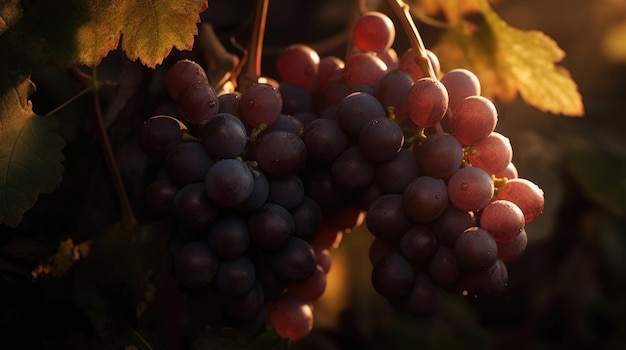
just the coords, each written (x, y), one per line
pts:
(251, 69)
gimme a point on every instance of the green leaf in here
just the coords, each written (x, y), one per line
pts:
(30, 154)
(602, 178)
(85, 31)
(509, 61)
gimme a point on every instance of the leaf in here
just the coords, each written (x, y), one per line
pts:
(509, 61)
(602, 178)
(85, 31)
(30, 154)
(10, 13)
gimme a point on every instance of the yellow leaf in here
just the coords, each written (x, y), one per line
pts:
(452, 9)
(509, 61)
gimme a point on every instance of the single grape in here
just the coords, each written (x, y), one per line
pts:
(513, 249)
(381, 139)
(392, 90)
(311, 288)
(260, 104)
(188, 162)
(425, 198)
(451, 223)
(475, 249)
(329, 69)
(473, 119)
(373, 31)
(493, 154)
(259, 194)
(223, 136)
(281, 153)
(160, 195)
(510, 172)
(287, 191)
(356, 110)
(307, 218)
(381, 247)
(470, 189)
(229, 102)
(526, 195)
(444, 268)
(198, 102)
(395, 174)
(392, 276)
(295, 99)
(352, 171)
(386, 217)
(418, 244)
(271, 226)
(291, 318)
(159, 135)
(228, 236)
(287, 123)
(181, 74)
(245, 307)
(428, 102)
(192, 208)
(229, 183)
(439, 155)
(324, 140)
(503, 219)
(295, 261)
(363, 68)
(460, 83)
(489, 282)
(408, 64)
(235, 276)
(298, 64)
(423, 299)
(390, 57)
(195, 266)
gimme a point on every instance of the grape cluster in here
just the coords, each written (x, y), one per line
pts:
(262, 183)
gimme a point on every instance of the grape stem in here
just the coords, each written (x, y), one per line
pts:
(251, 69)
(403, 12)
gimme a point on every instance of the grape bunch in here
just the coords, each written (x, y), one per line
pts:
(263, 183)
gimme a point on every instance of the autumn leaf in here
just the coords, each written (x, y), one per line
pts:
(509, 61)
(85, 31)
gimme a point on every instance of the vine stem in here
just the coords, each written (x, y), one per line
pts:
(251, 69)
(128, 217)
(403, 12)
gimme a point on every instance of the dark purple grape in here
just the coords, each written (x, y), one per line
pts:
(423, 299)
(281, 153)
(285, 123)
(470, 188)
(392, 90)
(392, 276)
(386, 217)
(356, 110)
(229, 236)
(159, 135)
(229, 183)
(229, 102)
(160, 195)
(439, 156)
(443, 268)
(418, 244)
(295, 261)
(223, 136)
(425, 198)
(295, 99)
(198, 102)
(271, 226)
(246, 307)
(193, 209)
(451, 223)
(286, 191)
(475, 249)
(260, 104)
(352, 171)
(488, 282)
(188, 162)
(324, 140)
(235, 276)
(195, 266)
(181, 74)
(395, 174)
(260, 192)
(381, 139)
(307, 218)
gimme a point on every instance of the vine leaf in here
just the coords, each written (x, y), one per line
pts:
(507, 60)
(145, 29)
(30, 154)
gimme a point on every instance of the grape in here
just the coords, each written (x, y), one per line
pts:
(295, 261)
(460, 83)
(271, 226)
(245, 307)
(334, 92)
(198, 102)
(428, 102)
(160, 195)
(188, 162)
(510, 172)
(381, 139)
(423, 298)
(503, 219)
(395, 174)
(373, 31)
(320, 186)
(380, 248)
(363, 68)
(324, 140)
(235, 276)
(295, 99)
(311, 288)
(439, 156)
(305, 118)
(323, 257)
(307, 218)
(493, 154)
(470, 188)
(386, 217)
(443, 268)
(159, 135)
(285, 123)
(451, 223)
(229, 183)
(298, 64)
(392, 276)
(489, 282)
(181, 74)
(474, 118)
(260, 104)
(192, 208)
(223, 136)
(351, 171)
(228, 236)
(329, 69)
(291, 318)
(229, 102)
(287, 191)
(418, 244)
(390, 57)
(513, 249)
(475, 249)
(195, 266)
(526, 195)
(407, 64)
(392, 90)
(425, 198)
(356, 110)
(281, 153)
